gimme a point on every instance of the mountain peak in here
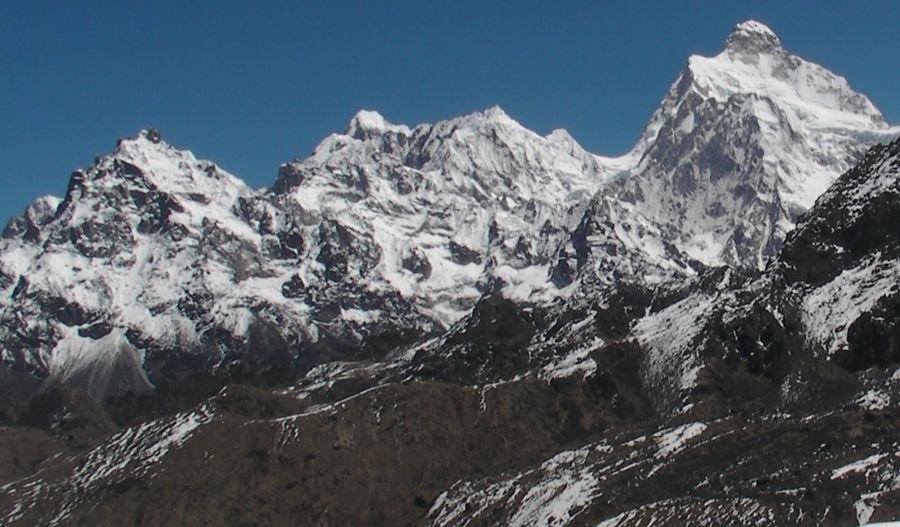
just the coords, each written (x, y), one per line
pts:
(367, 123)
(146, 139)
(752, 37)
(755, 63)
(150, 134)
(369, 119)
(754, 116)
(495, 112)
(560, 135)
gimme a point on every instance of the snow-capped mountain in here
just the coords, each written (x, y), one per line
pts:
(158, 266)
(742, 144)
(129, 260)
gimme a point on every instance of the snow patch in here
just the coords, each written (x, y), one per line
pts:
(672, 441)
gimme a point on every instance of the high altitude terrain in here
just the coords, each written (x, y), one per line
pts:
(469, 323)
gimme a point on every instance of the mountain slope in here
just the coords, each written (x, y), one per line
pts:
(776, 395)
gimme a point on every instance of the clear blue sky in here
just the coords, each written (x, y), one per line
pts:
(251, 86)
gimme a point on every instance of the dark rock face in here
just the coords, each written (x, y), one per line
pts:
(489, 345)
(418, 263)
(761, 343)
(874, 338)
(339, 247)
(463, 255)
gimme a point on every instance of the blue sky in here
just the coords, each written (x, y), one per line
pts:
(251, 86)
